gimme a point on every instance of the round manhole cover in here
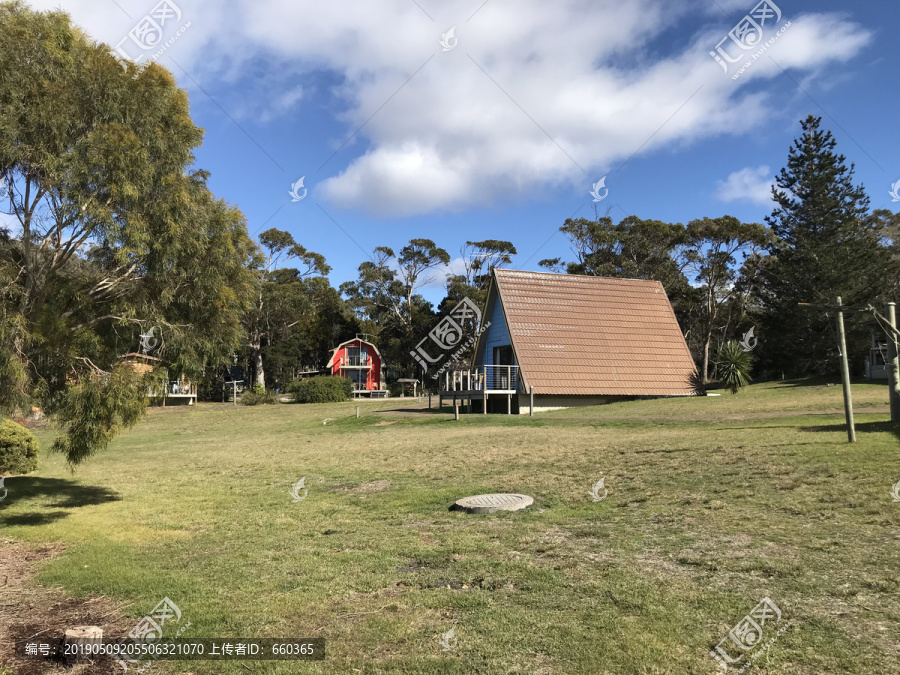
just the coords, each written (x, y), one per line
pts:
(492, 503)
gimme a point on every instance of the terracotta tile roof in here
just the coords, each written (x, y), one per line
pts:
(594, 335)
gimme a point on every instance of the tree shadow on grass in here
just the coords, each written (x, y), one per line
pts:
(821, 382)
(861, 428)
(63, 494)
(814, 381)
(33, 518)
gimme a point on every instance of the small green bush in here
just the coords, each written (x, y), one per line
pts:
(321, 389)
(395, 390)
(18, 448)
(258, 396)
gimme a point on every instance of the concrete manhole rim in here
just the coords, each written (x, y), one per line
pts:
(493, 502)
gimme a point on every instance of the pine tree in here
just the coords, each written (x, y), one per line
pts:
(824, 246)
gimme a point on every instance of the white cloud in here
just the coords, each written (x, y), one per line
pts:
(749, 184)
(456, 267)
(535, 95)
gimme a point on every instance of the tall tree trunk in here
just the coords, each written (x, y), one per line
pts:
(711, 314)
(259, 373)
(705, 370)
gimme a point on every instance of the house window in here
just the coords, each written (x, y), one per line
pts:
(352, 356)
(503, 356)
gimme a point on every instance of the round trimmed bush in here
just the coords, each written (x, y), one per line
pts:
(18, 448)
(322, 389)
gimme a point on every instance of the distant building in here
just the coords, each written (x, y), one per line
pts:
(876, 361)
(165, 391)
(572, 340)
(360, 361)
(141, 363)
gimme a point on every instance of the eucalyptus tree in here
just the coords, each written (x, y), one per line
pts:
(280, 300)
(108, 235)
(478, 259)
(713, 254)
(631, 249)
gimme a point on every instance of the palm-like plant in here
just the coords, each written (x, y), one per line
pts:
(734, 364)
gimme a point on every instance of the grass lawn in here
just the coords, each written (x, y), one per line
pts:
(713, 503)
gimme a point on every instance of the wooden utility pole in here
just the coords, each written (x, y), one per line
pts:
(845, 375)
(893, 364)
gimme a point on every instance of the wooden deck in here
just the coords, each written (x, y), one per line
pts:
(157, 398)
(465, 387)
(370, 393)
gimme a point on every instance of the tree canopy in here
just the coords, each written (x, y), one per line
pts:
(113, 235)
(281, 299)
(825, 245)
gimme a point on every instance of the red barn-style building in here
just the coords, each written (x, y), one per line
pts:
(360, 361)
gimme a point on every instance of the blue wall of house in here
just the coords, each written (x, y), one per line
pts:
(497, 334)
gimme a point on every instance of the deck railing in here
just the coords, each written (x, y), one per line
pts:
(489, 377)
(172, 388)
(501, 377)
(355, 361)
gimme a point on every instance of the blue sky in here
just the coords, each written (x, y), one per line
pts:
(502, 134)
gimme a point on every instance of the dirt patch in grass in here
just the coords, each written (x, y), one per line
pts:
(413, 566)
(369, 488)
(418, 523)
(28, 610)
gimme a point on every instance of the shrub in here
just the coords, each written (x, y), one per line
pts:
(321, 389)
(734, 364)
(395, 390)
(258, 396)
(18, 448)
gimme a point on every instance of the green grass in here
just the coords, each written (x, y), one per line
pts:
(713, 503)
